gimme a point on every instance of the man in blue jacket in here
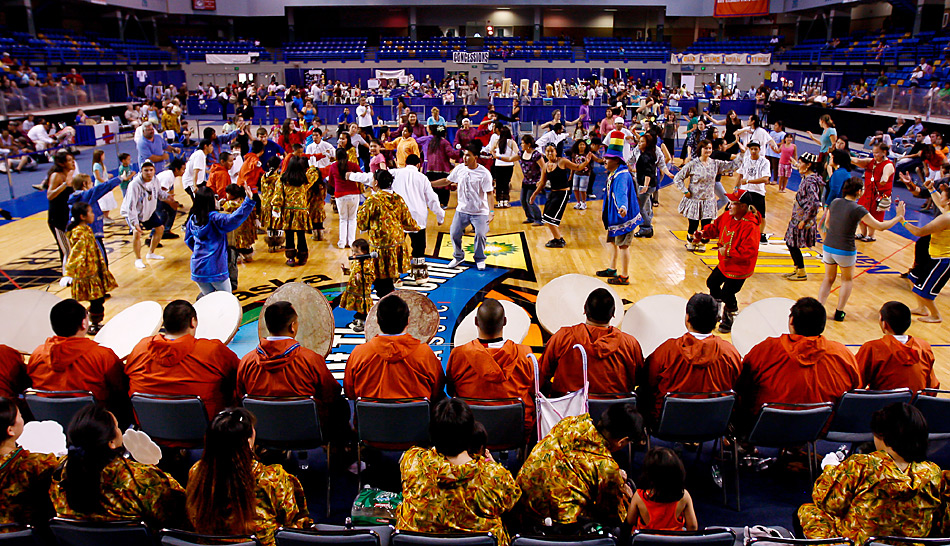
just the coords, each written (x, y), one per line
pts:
(621, 210)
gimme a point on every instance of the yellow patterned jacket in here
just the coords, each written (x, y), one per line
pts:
(280, 502)
(868, 495)
(571, 476)
(87, 266)
(439, 497)
(293, 202)
(385, 216)
(246, 234)
(24, 486)
(267, 187)
(130, 491)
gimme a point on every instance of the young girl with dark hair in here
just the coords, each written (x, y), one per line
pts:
(24, 476)
(231, 493)
(96, 483)
(292, 205)
(206, 234)
(662, 502)
(347, 194)
(86, 269)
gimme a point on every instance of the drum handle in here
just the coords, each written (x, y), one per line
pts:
(537, 393)
(583, 351)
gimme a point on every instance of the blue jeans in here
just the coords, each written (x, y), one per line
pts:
(459, 223)
(531, 212)
(209, 287)
(646, 209)
(721, 199)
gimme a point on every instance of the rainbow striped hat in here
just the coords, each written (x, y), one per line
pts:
(614, 144)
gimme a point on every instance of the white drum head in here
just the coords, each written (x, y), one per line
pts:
(561, 301)
(125, 330)
(25, 324)
(219, 316)
(516, 329)
(763, 319)
(655, 319)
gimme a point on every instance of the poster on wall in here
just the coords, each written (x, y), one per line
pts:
(741, 8)
(203, 5)
(751, 59)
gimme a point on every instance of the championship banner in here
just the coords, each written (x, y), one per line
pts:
(741, 8)
(748, 59)
(464, 57)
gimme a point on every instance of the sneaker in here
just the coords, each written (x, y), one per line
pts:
(454, 263)
(764, 239)
(341, 244)
(537, 224)
(797, 277)
(555, 243)
(139, 264)
(151, 256)
(577, 206)
(690, 247)
(170, 235)
(583, 206)
(93, 329)
(480, 266)
(839, 316)
(357, 325)
(528, 222)
(647, 233)
(606, 273)
(790, 274)
(619, 279)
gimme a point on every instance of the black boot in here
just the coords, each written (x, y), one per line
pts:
(302, 257)
(728, 317)
(290, 254)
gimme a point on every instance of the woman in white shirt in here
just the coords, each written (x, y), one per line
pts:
(505, 151)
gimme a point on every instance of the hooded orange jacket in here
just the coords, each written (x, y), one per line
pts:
(198, 367)
(613, 358)
(688, 364)
(887, 363)
(397, 366)
(77, 364)
(797, 370)
(478, 371)
(283, 367)
(13, 376)
(218, 179)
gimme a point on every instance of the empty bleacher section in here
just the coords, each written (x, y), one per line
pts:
(868, 49)
(548, 49)
(744, 44)
(195, 49)
(400, 49)
(52, 46)
(326, 49)
(626, 49)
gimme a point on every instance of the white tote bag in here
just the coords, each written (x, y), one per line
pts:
(551, 410)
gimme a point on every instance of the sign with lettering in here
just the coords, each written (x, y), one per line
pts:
(474, 57)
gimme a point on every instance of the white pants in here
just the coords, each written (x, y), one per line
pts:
(347, 206)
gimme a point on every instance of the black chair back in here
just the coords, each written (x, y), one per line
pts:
(175, 537)
(890, 541)
(706, 537)
(59, 406)
(88, 533)
(773, 541)
(385, 532)
(852, 420)
(597, 404)
(593, 540)
(286, 423)
(390, 424)
(936, 411)
(407, 538)
(341, 537)
(12, 534)
(783, 425)
(695, 419)
(170, 418)
(503, 420)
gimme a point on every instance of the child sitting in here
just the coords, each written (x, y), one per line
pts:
(662, 502)
(356, 297)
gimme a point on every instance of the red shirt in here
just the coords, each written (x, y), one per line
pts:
(13, 376)
(613, 358)
(77, 364)
(476, 370)
(341, 186)
(397, 366)
(738, 243)
(887, 363)
(201, 367)
(251, 172)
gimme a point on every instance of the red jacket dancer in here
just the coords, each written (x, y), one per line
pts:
(897, 360)
(738, 232)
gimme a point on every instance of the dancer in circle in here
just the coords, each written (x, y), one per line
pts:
(699, 196)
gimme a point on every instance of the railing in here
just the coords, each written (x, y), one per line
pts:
(28, 99)
(892, 56)
(914, 101)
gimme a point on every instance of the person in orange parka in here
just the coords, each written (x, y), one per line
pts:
(280, 366)
(490, 366)
(70, 361)
(737, 229)
(802, 367)
(698, 361)
(613, 357)
(178, 363)
(13, 376)
(219, 176)
(252, 169)
(897, 360)
(395, 364)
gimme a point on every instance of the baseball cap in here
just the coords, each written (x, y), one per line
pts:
(619, 119)
(147, 163)
(740, 196)
(755, 143)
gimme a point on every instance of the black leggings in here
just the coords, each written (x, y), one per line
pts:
(724, 289)
(301, 236)
(502, 175)
(922, 257)
(443, 193)
(417, 241)
(384, 287)
(797, 258)
(693, 224)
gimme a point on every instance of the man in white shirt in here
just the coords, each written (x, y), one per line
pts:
(320, 146)
(364, 118)
(196, 167)
(166, 180)
(555, 136)
(237, 161)
(476, 202)
(140, 209)
(752, 176)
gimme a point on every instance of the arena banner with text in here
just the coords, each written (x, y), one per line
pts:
(741, 8)
(203, 5)
(475, 57)
(745, 59)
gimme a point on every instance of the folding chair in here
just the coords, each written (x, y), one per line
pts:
(393, 424)
(407, 538)
(791, 425)
(178, 419)
(590, 540)
(711, 536)
(936, 411)
(174, 537)
(852, 420)
(503, 419)
(95, 533)
(338, 537)
(59, 406)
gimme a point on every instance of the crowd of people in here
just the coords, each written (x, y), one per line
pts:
(569, 483)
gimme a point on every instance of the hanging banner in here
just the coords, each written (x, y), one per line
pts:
(389, 74)
(741, 8)
(747, 59)
(476, 57)
(203, 5)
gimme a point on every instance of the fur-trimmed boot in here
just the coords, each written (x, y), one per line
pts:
(302, 257)
(290, 253)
